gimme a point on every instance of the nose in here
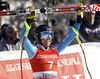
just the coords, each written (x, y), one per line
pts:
(48, 38)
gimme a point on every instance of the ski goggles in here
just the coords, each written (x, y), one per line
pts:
(13, 31)
(46, 34)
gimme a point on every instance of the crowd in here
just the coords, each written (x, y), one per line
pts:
(88, 32)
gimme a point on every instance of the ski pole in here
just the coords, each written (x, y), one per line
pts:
(26, 32)
(79, 42)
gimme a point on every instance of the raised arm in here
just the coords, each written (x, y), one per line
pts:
(71, 35)
(30, 49)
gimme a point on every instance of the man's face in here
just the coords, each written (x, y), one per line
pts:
(13, 33)
(90, 17)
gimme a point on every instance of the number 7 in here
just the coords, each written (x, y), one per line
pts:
(51, 63)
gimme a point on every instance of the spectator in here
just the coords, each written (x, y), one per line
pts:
(31, 32)
(10, 40)
(90, 28)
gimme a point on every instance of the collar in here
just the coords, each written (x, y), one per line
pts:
(42, 47)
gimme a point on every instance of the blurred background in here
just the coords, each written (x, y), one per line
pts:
(60, 22)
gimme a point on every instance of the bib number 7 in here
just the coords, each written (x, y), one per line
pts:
(51, 63)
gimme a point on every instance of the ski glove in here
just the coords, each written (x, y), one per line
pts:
(79, 14)
(33, 14)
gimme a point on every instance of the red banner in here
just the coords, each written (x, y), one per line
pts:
(71, 64)
(69, 67)
(10, 69)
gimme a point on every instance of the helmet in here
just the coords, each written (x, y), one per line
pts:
(40, 29)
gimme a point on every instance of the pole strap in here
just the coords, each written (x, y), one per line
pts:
(27, 28)
(77, 35)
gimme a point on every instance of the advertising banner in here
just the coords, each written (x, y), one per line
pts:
(71, 64)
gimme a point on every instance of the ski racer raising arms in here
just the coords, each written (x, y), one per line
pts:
(43, 56)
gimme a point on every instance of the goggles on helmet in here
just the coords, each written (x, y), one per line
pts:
(46, 34)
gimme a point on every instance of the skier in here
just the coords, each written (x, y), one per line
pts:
(43, 56)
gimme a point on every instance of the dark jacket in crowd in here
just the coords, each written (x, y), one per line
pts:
(9, 45)
(89, 33)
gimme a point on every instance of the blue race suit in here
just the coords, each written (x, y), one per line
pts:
(33, 51)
